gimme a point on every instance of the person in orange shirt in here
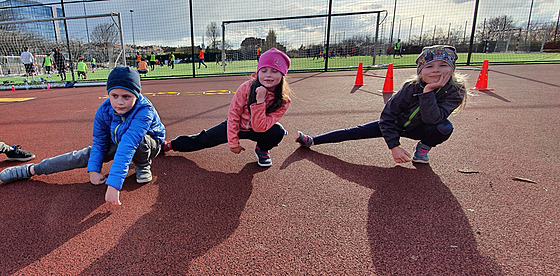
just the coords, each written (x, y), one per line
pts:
(258, 53)
(138, 58)
(143, 67)
(201, 59)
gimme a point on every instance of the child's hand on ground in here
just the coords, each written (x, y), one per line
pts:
(400, 155)
(443, 79)
(96, 178)
(261, 94)
(112, 196)
(237, 149)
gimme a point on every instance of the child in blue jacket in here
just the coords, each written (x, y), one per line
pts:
(126, 129)
(418, 111)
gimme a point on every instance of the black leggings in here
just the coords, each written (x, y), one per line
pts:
(218, 135)
(430, 135)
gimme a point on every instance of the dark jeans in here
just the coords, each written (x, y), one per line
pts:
(218, 135)
(430, 135)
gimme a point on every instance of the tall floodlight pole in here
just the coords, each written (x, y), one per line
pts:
(132, 20)
(473, 31)
(393, 24)
(528, 25)
(87, 32)
(68, 41)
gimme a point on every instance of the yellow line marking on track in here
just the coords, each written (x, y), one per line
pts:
(11, 100)
(207, 92)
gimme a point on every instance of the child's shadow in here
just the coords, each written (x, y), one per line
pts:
(196, 210)
(415, 224)
(38, 217)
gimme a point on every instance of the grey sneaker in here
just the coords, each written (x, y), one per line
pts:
(15, 173)
(304, 140)
(421, 153)
(143, 174)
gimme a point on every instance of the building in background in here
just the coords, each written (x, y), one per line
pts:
(17, 10)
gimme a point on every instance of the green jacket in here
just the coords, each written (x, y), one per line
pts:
(81, 66)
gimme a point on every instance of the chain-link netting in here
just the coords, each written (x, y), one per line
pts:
(203, 38)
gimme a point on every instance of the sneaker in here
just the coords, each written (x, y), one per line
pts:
(264, 157)
(304, 140)
(143, 174)
(421, 153)
(15, 173)
(17, 154)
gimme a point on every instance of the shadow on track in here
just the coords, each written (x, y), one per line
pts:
(38, 217)
(196, 210)
(415, 224)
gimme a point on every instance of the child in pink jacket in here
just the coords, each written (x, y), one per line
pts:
(254, 112)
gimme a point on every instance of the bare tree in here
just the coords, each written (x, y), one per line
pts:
(213, 34)
(104, 37)
(495, 27)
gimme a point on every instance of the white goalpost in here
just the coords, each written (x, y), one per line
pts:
(106, 45)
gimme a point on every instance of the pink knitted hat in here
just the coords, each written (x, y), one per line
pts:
(276, 59)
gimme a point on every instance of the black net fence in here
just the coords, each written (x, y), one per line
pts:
(180, 39)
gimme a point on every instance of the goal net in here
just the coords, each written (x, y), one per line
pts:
(97, 39)
(353, 38)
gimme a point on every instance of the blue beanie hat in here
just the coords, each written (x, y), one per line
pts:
(126, 78)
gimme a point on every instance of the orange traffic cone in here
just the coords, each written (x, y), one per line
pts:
(388, 85)
(359, 76)
(482, 82)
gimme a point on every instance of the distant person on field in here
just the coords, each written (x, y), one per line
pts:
(93, 65)
(201, 59)
(60, 62)
(419, 110)
(138, 59)
(27, 59)
(15, 153)
(143, 67)
(126, 129)
(47, 62)
(254, 112)
(397, 49)
(258, 52)
(153, 61)
(81, 68)
(172, 60)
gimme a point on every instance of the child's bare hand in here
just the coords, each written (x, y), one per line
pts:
(96, 178)
(112, 196)
(237, 149)
(261, 94)
(400, 155)
(443, 79)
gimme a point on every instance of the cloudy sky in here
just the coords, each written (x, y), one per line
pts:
(167, 22)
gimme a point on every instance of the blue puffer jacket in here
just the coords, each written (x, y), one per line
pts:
(126, 131)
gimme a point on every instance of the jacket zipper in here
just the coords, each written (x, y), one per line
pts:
(415, 111)
(117, 127)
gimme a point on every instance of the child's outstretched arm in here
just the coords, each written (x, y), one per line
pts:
(236, 109)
